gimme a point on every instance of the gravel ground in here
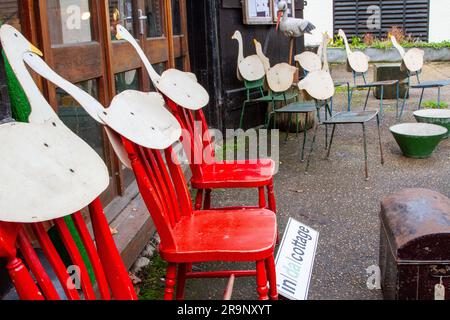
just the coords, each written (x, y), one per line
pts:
(335, 199)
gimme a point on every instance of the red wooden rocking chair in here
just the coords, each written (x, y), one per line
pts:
(189, 236)
(33, 282)
(255, 173)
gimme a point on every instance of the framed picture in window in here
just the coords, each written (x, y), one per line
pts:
(291, 8)
(257, 11)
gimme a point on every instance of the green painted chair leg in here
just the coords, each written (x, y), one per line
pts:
(304, 138)
(381, 103)
(349, 98)
(312, 149)
(366, 165)
(420, 100)
(241, 121)
(289, 128)
(331, 141)
(367, 97)
(379, 140)
(297, 124)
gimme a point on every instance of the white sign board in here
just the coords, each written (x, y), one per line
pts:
(295, 260)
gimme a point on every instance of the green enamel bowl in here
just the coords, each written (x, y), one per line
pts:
(440, 117)
(418, 140)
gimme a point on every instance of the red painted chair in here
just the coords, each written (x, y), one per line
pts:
(224, 174)
(189, 236)
(32, 281)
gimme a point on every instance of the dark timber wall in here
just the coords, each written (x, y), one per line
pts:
(214, 56)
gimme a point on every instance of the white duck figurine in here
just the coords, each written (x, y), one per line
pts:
(358, 61)
(318, 83)
(310, 61)
(280, 76)
(412, 59)
(249, 68)
(179, 86)
(128, 115)
(47, 171)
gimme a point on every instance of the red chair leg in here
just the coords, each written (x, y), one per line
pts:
(262, 197)
(207, 204)
(272, 276)
(199, 199)
(23, 282)
(171, 274)
(271, 196)
(261, 280)
(181, 280)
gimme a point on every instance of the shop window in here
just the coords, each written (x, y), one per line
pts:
(77, 119)
(155, 22)
(69, 21)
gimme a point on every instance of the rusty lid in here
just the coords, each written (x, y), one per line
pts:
(417, 223)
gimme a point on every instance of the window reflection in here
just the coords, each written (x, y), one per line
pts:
(121, 12)
(128, 80)
(69, 21)
(176, 17)
(153, 11)
(77, 119)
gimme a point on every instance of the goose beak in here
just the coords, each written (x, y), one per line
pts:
(36, 50)
(280, 14)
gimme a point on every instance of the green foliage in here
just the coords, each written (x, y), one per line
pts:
(435, 105)
(357, 43)
(152, 288)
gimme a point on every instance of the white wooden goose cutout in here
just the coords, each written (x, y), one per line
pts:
(180, 87)
(249, 68)
(310, 61)
(141, 117)
(319, 84)
(46, 170)
(357, 60)
(279, 77)
(412, 59)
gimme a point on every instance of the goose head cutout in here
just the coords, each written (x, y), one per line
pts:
(412, 59)
(249, 68)
(358, 61)
(180, 87)
(259, 52)
(46, 170)
(310, 61)
(141, 117)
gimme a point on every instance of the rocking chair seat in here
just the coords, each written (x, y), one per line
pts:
(223, 235)
(235, 174)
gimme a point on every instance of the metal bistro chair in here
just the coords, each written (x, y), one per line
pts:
(271, 97)
(317, 87)
(412, 61)
(359, 65)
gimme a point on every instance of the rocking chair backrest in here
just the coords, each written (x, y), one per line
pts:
(163, 187)
(110, 274)
(198, 145)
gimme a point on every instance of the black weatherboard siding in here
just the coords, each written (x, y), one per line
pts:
(214, 56)
(411, 15)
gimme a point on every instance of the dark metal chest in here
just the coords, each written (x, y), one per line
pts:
(415, 244)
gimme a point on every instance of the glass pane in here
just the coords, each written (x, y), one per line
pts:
(69, 21)
(121, 11)
(128, 80)
(153, 11)
(78, 120)
(176, 17)
(179, 63)
(159, 67)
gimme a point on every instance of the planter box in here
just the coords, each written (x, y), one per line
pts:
(338, 55)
